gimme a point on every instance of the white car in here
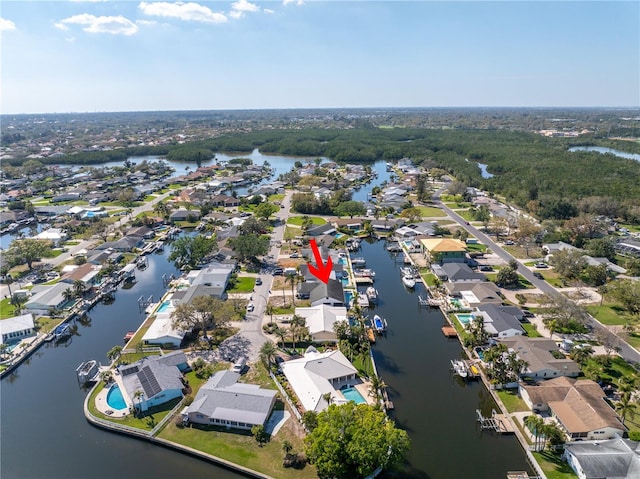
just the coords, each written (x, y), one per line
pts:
(250, 307)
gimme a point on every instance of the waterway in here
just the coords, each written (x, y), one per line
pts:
(44, 432)
(436, 408)
(603, 150)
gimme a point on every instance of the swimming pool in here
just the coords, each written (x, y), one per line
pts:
(343, 260)
(465, 318)
(115, 399)
(348, 296)
(164, 306)
(352, 394)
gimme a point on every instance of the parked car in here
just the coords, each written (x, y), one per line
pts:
(258, 281)
(486, 268)
(294, 255)
(250, 307)
(509, 243)
(278, 272)
(541, 265)
(239, 366)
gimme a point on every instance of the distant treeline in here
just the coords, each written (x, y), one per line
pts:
(526, 166)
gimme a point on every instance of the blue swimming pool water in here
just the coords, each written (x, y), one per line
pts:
(465, 318)
(343, 260)
(352, 394)
(339, 235)
(164, 306)
(348, 295)
(115, 399)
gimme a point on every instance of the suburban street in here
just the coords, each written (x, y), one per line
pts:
(626, 351)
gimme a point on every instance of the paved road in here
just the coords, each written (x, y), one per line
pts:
(626, 351)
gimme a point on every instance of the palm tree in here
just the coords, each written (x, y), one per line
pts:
(286, 447)
(581, 354)
(137, 396)
(297, 323)
(270, 310)
(536, 425)
(18, 301)
(376, 388)
(625, 406)
(293, 279)
(328, 398)
(268, 353)
(280, 332)
(114, 353)
(68, 295)
(79, 288)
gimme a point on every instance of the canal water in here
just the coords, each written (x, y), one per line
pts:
(437, 409)
(44, 432)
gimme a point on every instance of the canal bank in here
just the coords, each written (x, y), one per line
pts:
(436, 408)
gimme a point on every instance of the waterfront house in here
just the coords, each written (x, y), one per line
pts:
(16, 328)
(183, 214)
(223, 401)
(162, 332)
(544, 359)
(578, 405)
(474, 293)
(124, 245)
(444, 250)
(501, 321)
(214, 275)
(612, 458)
(44, 297)
(352, 224)
(55, 235)
(326, 229)
(330, 293)
(321, 319)
(317, 374)
(454, 272)
(151, 381)
(87, 273)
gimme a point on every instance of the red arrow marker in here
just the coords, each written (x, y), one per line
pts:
(323, 271)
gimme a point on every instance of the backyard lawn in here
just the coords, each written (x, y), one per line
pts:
(243, 284)
(297, 220)
(531, 330)
(553, 466)
(511, 400)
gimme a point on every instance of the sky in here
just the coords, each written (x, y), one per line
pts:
(89, 56)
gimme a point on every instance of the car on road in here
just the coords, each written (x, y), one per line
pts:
(541, 265)
(278, 272)
(258, 281)
(250, 307)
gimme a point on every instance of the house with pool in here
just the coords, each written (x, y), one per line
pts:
(318, 376)
(153, 380)
(321, 319)
(544, 358)
(444, 250)
(15, 329)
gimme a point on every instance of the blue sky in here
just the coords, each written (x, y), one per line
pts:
(84, 56)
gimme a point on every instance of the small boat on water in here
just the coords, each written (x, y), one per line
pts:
(409, 282)
(371, 335)
(459, 367)
(364, 273)
(379, 324)
(358, 261)
(394, 247)
(363, 301)
(61, 331)
(372, 294)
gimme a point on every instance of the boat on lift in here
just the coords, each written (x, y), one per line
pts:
(372, 294)
(379, 324)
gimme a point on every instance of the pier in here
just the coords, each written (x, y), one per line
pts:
(497, 422)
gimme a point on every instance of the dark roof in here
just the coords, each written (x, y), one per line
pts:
(461, 272)
(333, 289)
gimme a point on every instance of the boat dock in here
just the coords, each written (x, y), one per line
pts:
(449, 331)
(497, 422)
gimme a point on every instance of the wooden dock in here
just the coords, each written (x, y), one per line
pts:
(449, 331)
(497, 422)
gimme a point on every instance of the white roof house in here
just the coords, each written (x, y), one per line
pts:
(42, 300)
(215, 275)
(162, 331)
(320, 320)
(18, 327)
(53, 234)
(317, 374)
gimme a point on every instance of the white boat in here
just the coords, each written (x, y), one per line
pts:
(363, 301)
(379, 324)
(364, 273)
(407, 271)
(61, 332)
(372, 294)
(459, 367)
(409, 282)
(358, 261)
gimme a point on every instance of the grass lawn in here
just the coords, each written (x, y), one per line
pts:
(278, 197)
(6, 309)
(47, 324)
(477, 247)
(511, 400)
(616, 369)
(315, 220)
(431, 212)
(462, 333)
(141, 332)
(466, 214)
(363, 364)
(553, 466)
(531, 330)
(243, 284)
(609, 314)
(291, 232)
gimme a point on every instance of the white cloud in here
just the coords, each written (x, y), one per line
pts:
(6, 25)
(268, 11)
(92, 24)
(239, 8)
(297, 2)
(183, 11)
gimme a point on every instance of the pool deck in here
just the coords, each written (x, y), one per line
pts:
(101, 399)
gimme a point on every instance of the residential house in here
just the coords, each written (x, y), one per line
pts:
(330, 293)
(353, 224)
(17, 328)
(474, 293)
(126, 244)
(214, 275)
(225, 201)
(611, 458)
(455, 272)
(444, 250)
(56, 235)
(501, 321)
(223, 401)
(318, 374)
(162, 331)
(152, 381)
(326, 229)
(578, 405)
(321, 319)
(88, 273)
(183, 214)
(544, 359)
(45, 297)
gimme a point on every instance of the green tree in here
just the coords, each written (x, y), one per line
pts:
(27, 251)
(349, 208)
(568, 263)
(536, 425)
(351, 441)
(188, 251)
(310, 420)
(268, 353)
(627, 292)
(260, 434)
(412, 214)
(114, 353)
(507, 277)
(265, 210)
(18, 301)
(202, 312)
(249, 246)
